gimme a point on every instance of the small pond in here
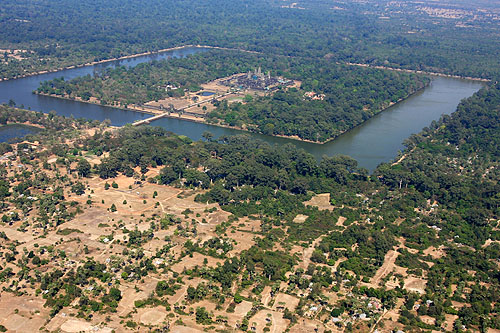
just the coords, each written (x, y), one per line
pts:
(12, 131)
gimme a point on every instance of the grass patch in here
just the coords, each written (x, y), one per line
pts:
(68, 231)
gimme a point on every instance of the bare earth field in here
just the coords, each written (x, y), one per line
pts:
(322, 201)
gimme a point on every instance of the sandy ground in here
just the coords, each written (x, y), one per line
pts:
(197, 260)
(300, 218)
(307, 252)
(130, 294)
(286, 301)
(97, 222)
(312, 326)
(13, 53)
(239, 312)
(322, 201)
(152, 316)
(27, 319)
(244, 241)
(488, 242)
(435, 253)
(75, 326)
(340, 221)
(184, 329)
(386, 268)
(273, 319)
(415, 284)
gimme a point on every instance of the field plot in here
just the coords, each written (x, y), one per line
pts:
(300, 218)
(266, 318)
(22, 314)
(244, 241)
(103, 234)
(283, 301)
(131, 199)
(415, 284)
(322, 201)
(197, 260)
(151, 316)
(75, 326)
(131, 294)
(185, 329)
(307, 325)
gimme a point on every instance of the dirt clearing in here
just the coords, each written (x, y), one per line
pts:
(322, 201)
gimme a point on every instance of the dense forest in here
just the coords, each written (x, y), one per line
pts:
(351, 94)
(56, 34)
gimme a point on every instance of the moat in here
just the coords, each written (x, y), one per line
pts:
(375, 141)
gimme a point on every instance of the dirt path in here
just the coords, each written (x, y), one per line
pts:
(402, 158)
(266, 301)
(274, 322)
(106, 249)
(488, 242)
(181, 296)
(306, 255)
(234, 287)
(378, 320)
(387, 266)
(337, 263)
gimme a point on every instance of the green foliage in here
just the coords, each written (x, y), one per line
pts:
(273, 263)
(453, 163)
(166, 288)
(83, 167)
(131, 324)
(203, 316)
(78, 188)
(238, 298)
(68, 231)
(443, 195)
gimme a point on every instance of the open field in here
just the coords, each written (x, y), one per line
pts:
(322, 201)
